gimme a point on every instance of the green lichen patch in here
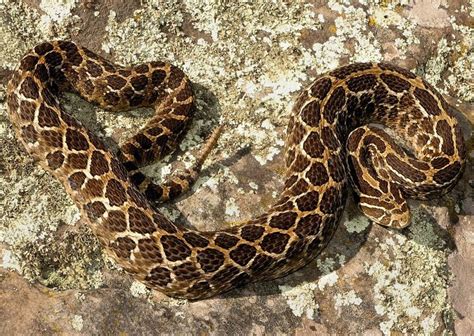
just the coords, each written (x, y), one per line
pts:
(73, 260)
(411, 279)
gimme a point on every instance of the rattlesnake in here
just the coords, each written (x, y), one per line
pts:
(329, 138)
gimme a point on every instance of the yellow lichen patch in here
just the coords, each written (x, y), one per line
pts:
(372, 21)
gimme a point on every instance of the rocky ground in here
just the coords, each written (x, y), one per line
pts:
(247, 60)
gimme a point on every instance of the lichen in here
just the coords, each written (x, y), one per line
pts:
(139, 290)
(413, 285)
(77, 322)
(346, 299)
(357, 224)
(301, 299)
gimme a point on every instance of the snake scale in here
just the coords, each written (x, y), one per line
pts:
(332, 134)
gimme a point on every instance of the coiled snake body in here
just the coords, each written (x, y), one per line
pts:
(326, 142)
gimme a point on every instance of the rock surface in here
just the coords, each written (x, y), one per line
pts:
(247, 60)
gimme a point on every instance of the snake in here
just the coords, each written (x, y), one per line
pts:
(377, 126)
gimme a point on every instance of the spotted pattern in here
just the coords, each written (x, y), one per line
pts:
(327, 128)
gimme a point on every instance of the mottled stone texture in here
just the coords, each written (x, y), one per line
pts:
(247, 61)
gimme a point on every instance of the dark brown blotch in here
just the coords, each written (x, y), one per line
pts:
(29, 88)
(447, 174)
(94, 188)
(405, 169)
(336, 168)
(28, 63)
(308, 226)
(53, 58)
(150, 250)
(76, 180)
(77, 160)
(283, 220)
(313, 146)
(320, 88)
(375, 140)
(274, 242)
(164, 223)
(195, 240)
(242, 254)
(174, 125)
(395, 68)
(439, 162)
(199, 288)
(361, 83)
(76, 140)
(122, 247)
(154, 131)
(296, 249)
(154, 192)
(395, 83)
(299, 187)
(29, 134)
(444, 130)
(311, 113)
(55, 160)
(329, 138)
(139, 221)
(225, 275)
(47, 117)
(116, 221)
(137, 198)
(99, 165)
(344, 71)
(88, 87)
(111, 98)
(139, 82)
(308, 201)
(118, 169)
(144, 142)
(252, 232)
(12, 103)
(331, 201)
(240, 280)
(94, 69)
(52, 138)
(427, 101)
(225, 240)
(157, 77)
(72, 52)
(300, 163)
(317, 174)
(43, 48)
(297, 133)
(210, 259)
(27, 110)
(141, 68)
(124, 72)
(334, 104)
(116, 82)
(42, 73)
(176, 75)
(186, 272)
(115, 192)
(136, 100)
(261, 263)
(175, 249)
(159, 276)
(94, 210)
